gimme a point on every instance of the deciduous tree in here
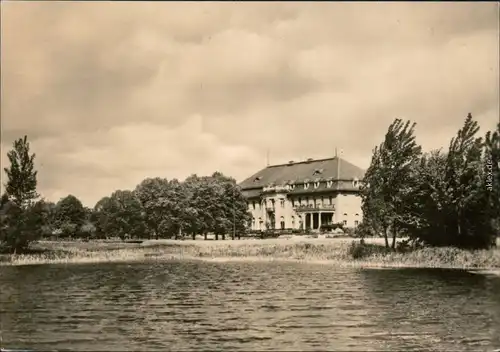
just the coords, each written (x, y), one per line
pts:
(450, 204)
(389, 179)
(158, 197)
(120, 215)
(70, 215)
(492, 175)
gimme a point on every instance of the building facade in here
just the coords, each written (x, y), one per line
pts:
(304, 195)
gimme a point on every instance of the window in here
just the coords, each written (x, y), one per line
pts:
(356, 223)
(345, 214)
(282, 203)
(293, 222)
(300, 201)
(260, 223)
(329, 184)
(257, 179)
(292, 187)
(331, 200)
(355, 182)
(344, 222)
(306, 185)
(322, 200)
(282, 223)
(316, 184)
(253, 205)
(253, 223)
(293, 202)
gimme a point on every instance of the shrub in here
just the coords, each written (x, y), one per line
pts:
(357, 250)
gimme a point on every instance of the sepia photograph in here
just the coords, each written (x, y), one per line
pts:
(249, 176)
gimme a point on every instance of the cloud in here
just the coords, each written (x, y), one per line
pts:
(111, 93)
(122, 157)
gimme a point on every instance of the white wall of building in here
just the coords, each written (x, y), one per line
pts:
(347, 208)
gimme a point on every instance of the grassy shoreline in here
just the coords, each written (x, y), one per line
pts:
(320, 251)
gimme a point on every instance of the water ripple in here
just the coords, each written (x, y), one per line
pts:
(246, 306)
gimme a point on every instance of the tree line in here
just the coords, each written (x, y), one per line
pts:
(440, 198)
(156, 208)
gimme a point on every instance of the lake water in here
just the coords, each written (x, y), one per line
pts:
(246, 307)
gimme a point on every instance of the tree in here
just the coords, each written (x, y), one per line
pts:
(21, 175)
(120, 215)
(492, 175)
(174, 203)
(100, 217)
(372, 205)
(197, 219)
(388, 180)
(451, 204)
(426, 212)
(20, 216)
(46, 209)
(159, 198)
(229, 209)
(198, 205)
(70, 215)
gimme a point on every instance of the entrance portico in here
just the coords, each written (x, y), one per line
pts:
(315, 217)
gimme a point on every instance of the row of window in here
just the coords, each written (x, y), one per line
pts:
(295, 202)
(314, 201)
(329, 184)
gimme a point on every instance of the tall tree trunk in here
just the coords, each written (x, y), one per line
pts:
(216, 236)
(394, 234)
(223, 236)
(205, 236)
(386, 237)
(193, 235)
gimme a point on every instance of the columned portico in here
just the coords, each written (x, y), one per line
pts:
(315, 219)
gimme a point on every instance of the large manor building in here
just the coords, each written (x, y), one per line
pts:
(304, 195)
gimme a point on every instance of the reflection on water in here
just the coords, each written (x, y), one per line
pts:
(246, 306)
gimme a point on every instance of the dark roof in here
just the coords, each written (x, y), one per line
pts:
(304, 170)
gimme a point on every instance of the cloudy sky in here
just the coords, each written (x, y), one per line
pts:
(111, 93)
